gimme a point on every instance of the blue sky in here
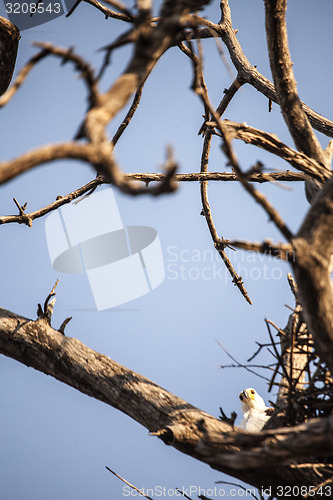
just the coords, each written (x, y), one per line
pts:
(55, 441)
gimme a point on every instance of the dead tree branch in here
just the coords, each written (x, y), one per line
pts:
(285, 84)
(246, 73)
(314, 247)
(272, 144)
(66, 55)
(199, 87)
(250, 74)
(227, 149)
(220, 244)
(124, 15)
(147, 178)
(176, 422)
(284, 251)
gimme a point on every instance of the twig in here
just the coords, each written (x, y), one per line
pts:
(146, 178)
(20, 207)
(219, 243)
(240, 365)
(319, 486)
(272, 144)
(286, 176)
(284, 251)
(245, 69)
(262, 201)
(124, 16)
(129, 484)
(184, 494)
(250, 74)
(228, 95)
(255, 354)
(67, 55)
(119, 6)
(128, 117)
(277, 354)
(259, 197)
(61, 200)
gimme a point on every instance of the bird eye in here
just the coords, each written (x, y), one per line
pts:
(241, 397)
(253, 391)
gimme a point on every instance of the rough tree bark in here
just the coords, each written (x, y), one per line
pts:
(263, 460)
(270, 458)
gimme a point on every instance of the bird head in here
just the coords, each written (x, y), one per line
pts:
(250, 399)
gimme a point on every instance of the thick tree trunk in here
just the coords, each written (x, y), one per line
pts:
(254, 458)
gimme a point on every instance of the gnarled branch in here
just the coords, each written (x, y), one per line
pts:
(176, 422)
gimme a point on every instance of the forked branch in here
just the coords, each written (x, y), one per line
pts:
(176, 422)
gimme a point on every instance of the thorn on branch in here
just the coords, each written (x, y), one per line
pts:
(222, 244)
(67, 56)
(237, 280)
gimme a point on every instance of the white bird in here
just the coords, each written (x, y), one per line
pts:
(255, 412)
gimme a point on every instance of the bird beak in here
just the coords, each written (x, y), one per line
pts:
(247, 395)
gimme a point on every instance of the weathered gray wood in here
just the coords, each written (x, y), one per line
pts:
(254, 458)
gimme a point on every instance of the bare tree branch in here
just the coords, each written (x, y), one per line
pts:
(128, 484)
(246, 72)
(314, 247)
(176, 422)
(270, 458)
(122, 127)
(227, 148)
(152, 42)
(267, 447)
(124, 15)
(219, 243)
(147, 178)
(199, 87)
(49, 153)
(285, 84)
(272, 144)
(66, 55)
(282, 250)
